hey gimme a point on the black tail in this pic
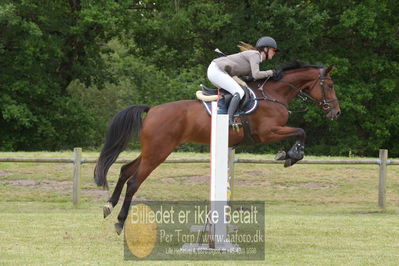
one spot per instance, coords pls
(125, 125)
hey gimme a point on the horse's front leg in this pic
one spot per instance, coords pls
(295, 154)
(297, 151)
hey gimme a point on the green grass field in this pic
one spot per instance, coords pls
(315, 214)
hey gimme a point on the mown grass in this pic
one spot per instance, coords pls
(315, 214)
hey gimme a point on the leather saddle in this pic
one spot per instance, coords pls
(225, 97)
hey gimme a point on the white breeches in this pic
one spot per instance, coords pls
(223, 80)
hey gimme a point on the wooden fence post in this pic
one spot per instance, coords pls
(382, 176)
(77, 157)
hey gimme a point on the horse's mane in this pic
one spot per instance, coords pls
(292, 65)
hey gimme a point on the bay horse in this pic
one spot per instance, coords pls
(163, 127)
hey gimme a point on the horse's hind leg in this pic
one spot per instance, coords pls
(151, 158)
(127, 171)
(162, 131)
(133, 185)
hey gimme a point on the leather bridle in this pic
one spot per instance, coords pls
(325, 103)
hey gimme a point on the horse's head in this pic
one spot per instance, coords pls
(321, 92)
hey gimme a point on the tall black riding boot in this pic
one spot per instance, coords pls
(232, 109)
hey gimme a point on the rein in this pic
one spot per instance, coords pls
(325, 103)
(270, 99)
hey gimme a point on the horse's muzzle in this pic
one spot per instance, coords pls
(334, 113)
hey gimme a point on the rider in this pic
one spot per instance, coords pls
(245, 63)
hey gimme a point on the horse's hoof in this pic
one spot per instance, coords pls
(281, 155)
(107, 209)
(296, 152)
(118, 228)
(288, 162)
(296, 155)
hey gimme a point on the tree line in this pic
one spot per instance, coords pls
(66, 67)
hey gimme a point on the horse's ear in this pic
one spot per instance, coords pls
(328, 69)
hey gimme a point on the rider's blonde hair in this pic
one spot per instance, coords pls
(245, 46)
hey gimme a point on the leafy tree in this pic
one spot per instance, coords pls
(360, 38)
(119, 53)
(43, 47)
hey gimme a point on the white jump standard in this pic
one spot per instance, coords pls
(220, 189)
